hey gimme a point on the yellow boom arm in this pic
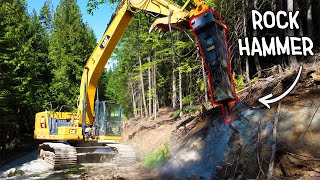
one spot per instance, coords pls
(102, 52)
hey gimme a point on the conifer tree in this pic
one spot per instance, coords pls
(23, 73)
(71, 44)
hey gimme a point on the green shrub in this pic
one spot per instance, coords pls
(186, 109)
(158, 158)
(188, 99)
(240, 81)
(254, 80)
(75, 170)
(16, 172)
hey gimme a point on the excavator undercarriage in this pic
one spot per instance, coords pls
(100, 139)
(60, 155)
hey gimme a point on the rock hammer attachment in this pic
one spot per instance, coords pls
(210, 32)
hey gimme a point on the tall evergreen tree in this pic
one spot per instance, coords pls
(71, 45)
(23, 79)
(15, 26)
(46, 15)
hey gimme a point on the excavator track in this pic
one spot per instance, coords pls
(58, 155)
(126, 155)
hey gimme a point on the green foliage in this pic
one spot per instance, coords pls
(188, 99)
(254, 80)
(76, 170)
(184, 110)
(16, 172)
(116, 90)
(158, 158)
(46, 15)
(71, 44)
(94, 4)
(39, 62)
(24, 72)
(212, 3)
(13, 144)
(239, 81)
(137, 43)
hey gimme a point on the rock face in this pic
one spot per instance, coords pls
(211, 147)
(201, 154)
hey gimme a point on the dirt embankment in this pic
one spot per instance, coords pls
(148, 135)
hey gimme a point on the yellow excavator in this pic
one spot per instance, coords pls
(83, 135)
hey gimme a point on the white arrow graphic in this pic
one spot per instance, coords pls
(266, 101)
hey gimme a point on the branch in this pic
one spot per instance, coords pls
(302, 138)
(274, 141)
(258, 141)
(302, 157)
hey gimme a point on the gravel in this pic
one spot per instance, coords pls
(28, 167)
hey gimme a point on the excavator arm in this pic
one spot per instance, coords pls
(179, 19)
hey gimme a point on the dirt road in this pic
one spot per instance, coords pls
(27, 166)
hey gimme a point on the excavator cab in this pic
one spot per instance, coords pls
(107, 120)
(113, 120)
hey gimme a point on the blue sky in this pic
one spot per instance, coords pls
(98, 21)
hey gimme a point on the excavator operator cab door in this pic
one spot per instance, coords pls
(108, 119)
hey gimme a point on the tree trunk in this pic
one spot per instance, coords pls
(180, 91)
(292, 59)
(189, 87)
(174, 88)
(204, 77)
(142, 89)
(300, 32)
(141, 108)
(244, 14)
(300, 25)
(150, 89)
(309, 20)
(256, 58)
(155, 98)
(273, 5)
(282, 4)
(134, 103)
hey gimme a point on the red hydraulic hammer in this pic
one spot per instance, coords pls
(210, 32)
